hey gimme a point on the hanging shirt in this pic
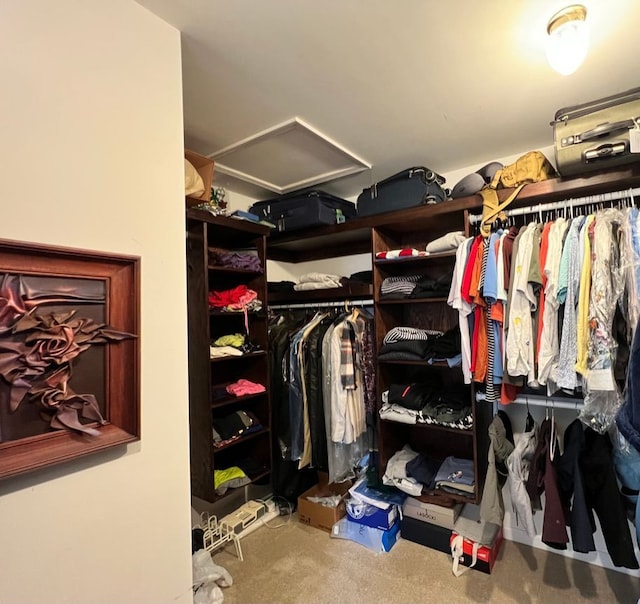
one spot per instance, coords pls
(456, 301)
(568, 342)
(520, 355)
(582, 319)
(549, 339)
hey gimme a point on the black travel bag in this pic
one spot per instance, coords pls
(597, 135)
(411, 187)
(302, 209)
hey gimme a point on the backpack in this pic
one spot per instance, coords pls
(531, 167)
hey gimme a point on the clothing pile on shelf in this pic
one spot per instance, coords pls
(578, 482)
(312, 281)
(446, 243)
(414, 286)
(322, 388)
(413, 344)
(233, 426)
(244, 260)
(411, 472)
(551, 305)
(234, 344)
(237, 475)
(238, 299)
(421, 403)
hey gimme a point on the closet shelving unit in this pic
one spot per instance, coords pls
(435, 441)
(419, 225)
(207, 374)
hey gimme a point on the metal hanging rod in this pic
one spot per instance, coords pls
(537, 400)
(337, 304)
(567, 203)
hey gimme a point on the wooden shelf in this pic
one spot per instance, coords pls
(242, 439)
(236, 271)
(417, 259)
(392, 301)
(436, 427)
(234, 400)
(238, 313)
(354, 236)
(441, 364)
(249, 355)
(364, 290)
(253, 479)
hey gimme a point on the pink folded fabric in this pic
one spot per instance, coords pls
(243, 387)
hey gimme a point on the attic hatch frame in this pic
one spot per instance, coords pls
(353, 163)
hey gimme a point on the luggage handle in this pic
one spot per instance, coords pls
(607, 128)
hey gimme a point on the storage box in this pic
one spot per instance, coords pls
(204, 167)
(427, 534)
(375, 539)
(370, 515)
(432, 513)
(316, 514)
(486, 554)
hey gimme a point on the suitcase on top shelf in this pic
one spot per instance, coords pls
(299, 210)
(597, 135)
(412, 187)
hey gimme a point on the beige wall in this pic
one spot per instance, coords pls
(90, 149)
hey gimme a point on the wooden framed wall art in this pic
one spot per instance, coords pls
(69, 354)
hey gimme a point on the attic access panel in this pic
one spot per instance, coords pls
(290, 156)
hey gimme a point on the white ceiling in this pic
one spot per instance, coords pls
(444, 84)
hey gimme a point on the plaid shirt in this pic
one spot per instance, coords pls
(347, 354)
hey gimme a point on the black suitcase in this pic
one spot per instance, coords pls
(411, 187)
(597, 135)
(299, 210)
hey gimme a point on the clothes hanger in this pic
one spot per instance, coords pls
(530, 422)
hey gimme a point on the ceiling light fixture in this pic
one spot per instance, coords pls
(568, 39)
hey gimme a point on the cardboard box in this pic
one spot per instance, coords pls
(204, 167)
(486, 555)
(316, 514)
(432, 513)
(370, 515)
(375, 539)
(427, 534)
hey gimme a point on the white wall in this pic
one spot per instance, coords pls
(91, 148)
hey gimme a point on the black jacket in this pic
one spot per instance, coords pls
(602, 495)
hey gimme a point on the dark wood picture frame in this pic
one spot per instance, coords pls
(118, 375)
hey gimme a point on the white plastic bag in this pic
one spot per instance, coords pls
(207, 577)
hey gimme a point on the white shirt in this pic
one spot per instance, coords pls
(456, 301)
(520, 344)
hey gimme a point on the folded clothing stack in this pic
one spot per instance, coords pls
(406, 252)
(312, 281)
(248, 260)
(399, 286)
(231, 427)
(456, 475)
(410, 472)
(446, 243)
(410, 344)
(244, 387)
(428, 287)
(427, 404)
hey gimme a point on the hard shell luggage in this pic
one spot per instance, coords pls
(298, 210)
(597, 135)
(412, 187)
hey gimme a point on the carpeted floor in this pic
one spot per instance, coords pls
(297, 564)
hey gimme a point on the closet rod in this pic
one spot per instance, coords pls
(321, 304)
(537, 400)
(567, 203)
